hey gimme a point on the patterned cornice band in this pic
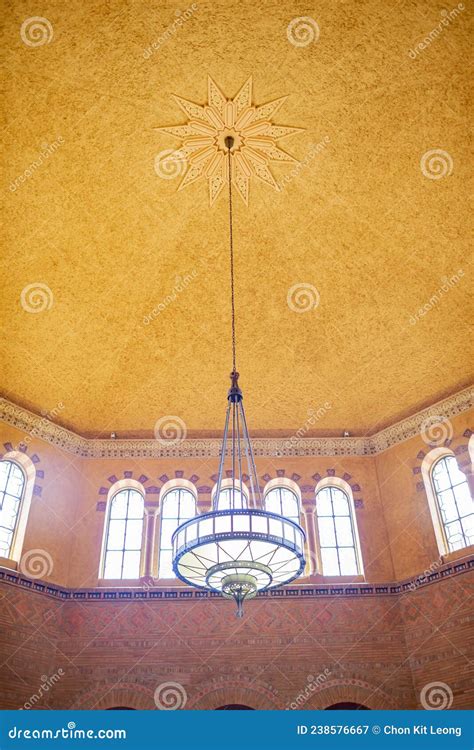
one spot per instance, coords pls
(35, 426)
(147, 592)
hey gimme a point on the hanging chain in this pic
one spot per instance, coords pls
(231, 242)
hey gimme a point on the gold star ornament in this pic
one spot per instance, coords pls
(203, 148)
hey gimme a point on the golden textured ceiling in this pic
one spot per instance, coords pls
(116, 284)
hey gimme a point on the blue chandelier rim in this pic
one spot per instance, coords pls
(238, 512)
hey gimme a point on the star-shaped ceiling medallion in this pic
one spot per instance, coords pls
(203, 148)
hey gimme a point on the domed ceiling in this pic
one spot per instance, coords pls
(352, 258)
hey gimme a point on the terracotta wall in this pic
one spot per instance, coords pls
(412, 541)
(59, 488)
(393, 518)
(86, 550)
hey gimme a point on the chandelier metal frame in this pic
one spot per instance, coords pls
(242, 549)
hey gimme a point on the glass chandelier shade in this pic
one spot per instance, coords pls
(239, 548)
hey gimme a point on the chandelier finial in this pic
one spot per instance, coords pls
(235, 394)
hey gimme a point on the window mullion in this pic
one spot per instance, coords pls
(125, 533)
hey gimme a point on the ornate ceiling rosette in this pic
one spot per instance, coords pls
(255, 136)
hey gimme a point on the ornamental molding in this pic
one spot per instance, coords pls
(34, 426)
(147, 592)
(203, 154)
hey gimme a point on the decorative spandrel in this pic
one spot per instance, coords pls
(203, 148)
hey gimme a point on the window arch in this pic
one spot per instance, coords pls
(231, 496)
(178, 505)
(283, 499)
(454, 506)
(124, 531)
(17, 475)
(338, 540)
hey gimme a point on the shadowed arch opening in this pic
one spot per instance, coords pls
(347, 706)
(235, 707)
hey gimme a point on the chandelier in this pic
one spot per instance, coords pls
(238, 549)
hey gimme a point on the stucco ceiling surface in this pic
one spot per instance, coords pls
(116, 302)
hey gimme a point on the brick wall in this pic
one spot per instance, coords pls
(379, 650)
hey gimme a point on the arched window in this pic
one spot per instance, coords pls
(178, 505)
(12, 490)
(124, 535)
(455, 505)
(283, 501)
(231, 497)
(337, 534)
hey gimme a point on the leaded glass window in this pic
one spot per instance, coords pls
(455, 504)
(123, 544)
(231, 498)
(283, 501)
(336, 533)
(12, 486)
(178, 505)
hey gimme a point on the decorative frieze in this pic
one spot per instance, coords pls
(148, 592)
(32, 424)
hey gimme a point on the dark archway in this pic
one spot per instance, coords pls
(347, 706)
(235, 707)
(120, 708)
